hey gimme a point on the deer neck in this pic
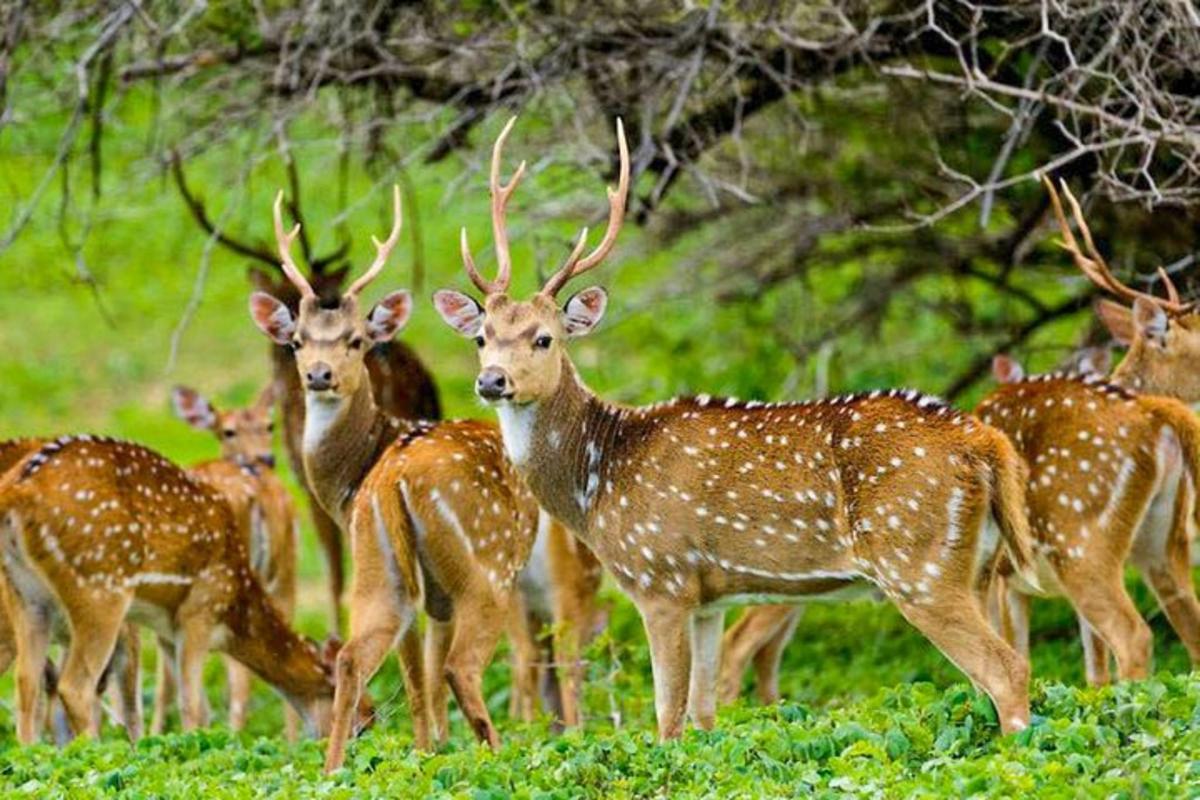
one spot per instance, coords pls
(561, 445)
(258, 636)
(1141, 372)
(342, 440)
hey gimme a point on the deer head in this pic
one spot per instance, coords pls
(522, 342)
(329, 337)
(1163, 334)
(245, 434)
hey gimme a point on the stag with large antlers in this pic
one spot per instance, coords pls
(96, 532)
(437, 517)
(700, 503)
(1114, 469)
(403, 387)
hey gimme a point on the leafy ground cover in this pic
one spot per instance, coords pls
(873, 711)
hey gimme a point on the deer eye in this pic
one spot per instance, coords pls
(295, 344)
(270, 427)
(479, 341)
(356, 343)
(542, 342)
(229, 433)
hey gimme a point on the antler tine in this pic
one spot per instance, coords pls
(1093, 264)
(382, 249)
(284, 240)
(1172, 292)
(616, 216)
(500, 193)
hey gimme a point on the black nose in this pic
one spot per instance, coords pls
(492, 384)
(319, 377)
(268, 460)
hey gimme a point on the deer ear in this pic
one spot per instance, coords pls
(1151, 320)
(1095, 360)
(193, 408)
(460, 311)
(1007, 369)
(1118, 319)
(272, 317)
(389, 315)
(583, 311)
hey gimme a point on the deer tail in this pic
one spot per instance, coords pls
(1009, 507)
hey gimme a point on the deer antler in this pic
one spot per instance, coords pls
(616, 215)
(284, 239)
(382, 249)
(500, 195)
(1093, 265)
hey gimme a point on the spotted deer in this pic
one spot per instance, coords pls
(437, 517)
(97, 532)
(245, 476)
(695, 504)
(122, 673)
(1113, 470)
(403, 386)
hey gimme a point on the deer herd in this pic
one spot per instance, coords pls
(1051, 486)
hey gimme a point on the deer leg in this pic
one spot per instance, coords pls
(95, 623)
(521, 633)
(412, 665)
(191, 650)
(375, 623)
(238, 678)
(31, 628)
(770, 656)
(743, 641)
(1095, 655)
(165, 683)
(956, 625)
(1014, 614)
(470, 651)
(707, 627)
(126, 665)
(329, 535)
(438, 636)
(1168, 572)
(670, 658)
(1099, 597)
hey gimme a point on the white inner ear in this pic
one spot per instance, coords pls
(578, 317)
(1152, 320)
(460, 312)
(281, 320)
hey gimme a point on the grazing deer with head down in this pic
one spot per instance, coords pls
(245, 475)
(1114, 471)
(436, 515)
(96, 532)
(402, 385)
(123, 664)
(695, 504)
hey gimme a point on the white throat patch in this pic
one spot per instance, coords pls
(320, 414)
(516, 428)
